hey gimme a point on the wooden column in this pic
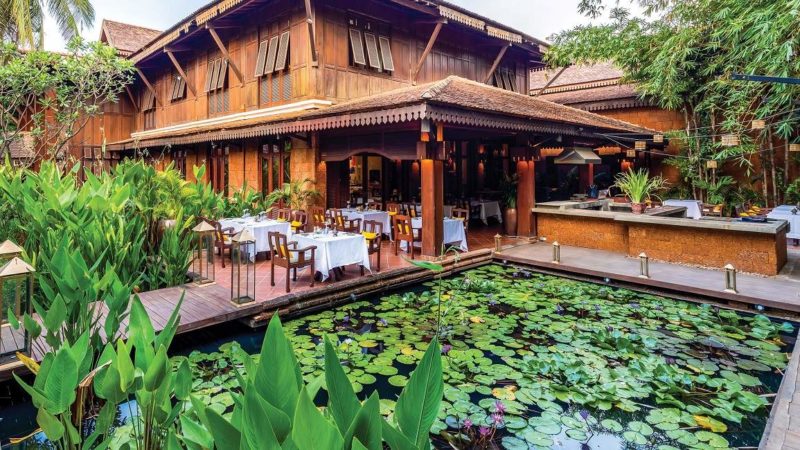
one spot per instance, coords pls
(432, 206)
(525, 197)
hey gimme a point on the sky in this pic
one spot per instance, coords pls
(538, 18)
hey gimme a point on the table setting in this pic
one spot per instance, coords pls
(260, 228)
(454, 233)
(369, 214)
(335, 249)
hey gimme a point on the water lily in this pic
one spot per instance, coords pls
(346, 319)
(484, 431)
(467, 423)
(446, 349)
(559, 309)
(382, 322)
(497, 419)
(500, 407)
(584, 414)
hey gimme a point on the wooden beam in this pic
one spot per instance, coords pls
(496, 63)
(432, 206)
(417, 7)
(428, 48)
(312, 34)
(149, 86)
(180, 71)
(225, 53)
(549, 82)
(132, 98)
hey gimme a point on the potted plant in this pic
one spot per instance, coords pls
(639, 187)
(294, 194)
(508, 190)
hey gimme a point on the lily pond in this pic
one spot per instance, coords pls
(537, 361)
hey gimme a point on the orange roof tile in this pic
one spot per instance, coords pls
(126, 38)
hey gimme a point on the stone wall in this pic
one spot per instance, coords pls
(597, 233)
(243, 167)
(305, 164)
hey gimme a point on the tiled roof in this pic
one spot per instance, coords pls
(575, 75)
(470, 95)
(23, 147)
(597, 94)
(126, 38)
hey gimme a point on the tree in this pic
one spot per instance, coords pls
(22, 21)
(681, 54)
(53, 96)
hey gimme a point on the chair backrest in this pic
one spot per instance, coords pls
(377, 206)
(373, 226)
(402, 227)
(461, 214)
(411, 210)
(338, 217)
(279, 244)
(284, 214)
(299, 216)
(318, 216)
(393, 208)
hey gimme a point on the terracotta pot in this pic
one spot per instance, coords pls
(510, 221)
(638, 208)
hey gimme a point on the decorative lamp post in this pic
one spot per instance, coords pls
(16, 294)
(556, 253)
(203, 258)
(730, 279)
(243, 271)
(9, 250)
(497, 243)
(644, 266)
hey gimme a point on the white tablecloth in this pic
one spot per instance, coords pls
(333, 252)
(454, 233)
(488, 209)
(784, 212)
(377, 216)
(694, 208)
(260, 230)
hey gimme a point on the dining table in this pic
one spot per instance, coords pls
(376, 215)
(260, 229)
(488, 208)
(694, 208)
(791, 214)
(454, 232)
(335, 250)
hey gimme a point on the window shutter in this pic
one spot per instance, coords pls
(358, 47)
(372, 51)
(181, 88)
(223, 74)
(287, 86)
(386, 53)
(512, 81)
(215, 75)
(283, 52)
(209, 75)
(174, 88)
(262, 57)
(269, 66)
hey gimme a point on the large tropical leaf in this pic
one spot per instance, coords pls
(420, 400)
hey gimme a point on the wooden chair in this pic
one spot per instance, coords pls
(712, 210)
(375, 206)
(283, 214)
(462, 215)
(342, 223)
(222, 239)
(299, 221)
(318, 217)
(393, 209)
(285, 254)
(411, 210)
(404, 232)
(373, 233)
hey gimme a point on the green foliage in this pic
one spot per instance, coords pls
(638, 186)
(22, 21)
(793, 192)
(54, 96)
(296, 194)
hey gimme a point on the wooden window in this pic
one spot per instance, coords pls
(276, 89)
(512, 81)
(269, 66)
(386, 54)
(216, 65)
(178, 88)
(150, 119)
(223, 74)
(148, 100)
(275, 166)
(372, 51)
(264, 87)
(262, 58)
(357, 48)
(287, 86)
(209, 75)
(283, 52)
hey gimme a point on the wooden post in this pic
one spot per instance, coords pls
(496, 63)
(312, 34)
(525, 197)
(180, 70)
(428, 48)
(432, 206)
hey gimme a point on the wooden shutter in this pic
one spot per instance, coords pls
(283, 52)
(386, 53)
(181, 87)
(262, 57)
(173, 93)
(372, 51)
(357, 47)
(223, 74)
(269, 66)
(512, 80)
(215, 75)
(209, 76)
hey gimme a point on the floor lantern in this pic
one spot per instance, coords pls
(16, 296)
(243, 270)
(203, 258)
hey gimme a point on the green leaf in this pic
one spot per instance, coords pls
(420, 400)
(277, 377)
(311, 430)
(342, 401)
(395, 439)
(357, 445)
(425, 265)
(366, 426)
(183, 381)
(51, 426)
(226, 436)
(12, 319)
(56, 315)
(257, 429)
(195, 432)
(157, 370)
(60, 388)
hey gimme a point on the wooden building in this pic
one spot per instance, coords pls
(383, 99)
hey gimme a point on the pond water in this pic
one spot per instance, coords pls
(536, 361)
